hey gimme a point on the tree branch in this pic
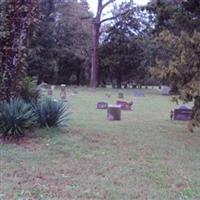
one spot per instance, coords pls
(107, 3)
(114, 17)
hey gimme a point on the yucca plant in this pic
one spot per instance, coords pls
(15, 117)
(51, 113)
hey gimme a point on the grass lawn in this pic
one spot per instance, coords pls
(145, 156)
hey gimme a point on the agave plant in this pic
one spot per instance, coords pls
(15, 117)
(51, 113)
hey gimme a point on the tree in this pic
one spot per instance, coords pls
(18, 17)
(60, 48)
(175, 15)
(177, 34)
(96, 26)
(183, 69)
(121, 52)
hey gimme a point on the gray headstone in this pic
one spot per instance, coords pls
(138, 93)
(165, 90)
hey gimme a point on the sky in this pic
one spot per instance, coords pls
(93, 3)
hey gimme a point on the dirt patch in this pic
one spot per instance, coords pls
(28, 143)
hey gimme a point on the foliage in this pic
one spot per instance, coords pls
(17, 18)
(60, 47)
(29, 90)
(51, 113)
(15, 117)
(183, 69)
(121, 51)
(177, 36)
(175, 16)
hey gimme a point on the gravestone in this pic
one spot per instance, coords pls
(114, 113)
(125, 105)
(138, 93)
(42, 92)
(134, 86)
(63, 93)
(50, 91)
(121, 95)
(165, 90)
(42, 85)
(42, 88)
(108, 95)
(182, 113)
(102, 105)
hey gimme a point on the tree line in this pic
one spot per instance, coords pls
(62, 41)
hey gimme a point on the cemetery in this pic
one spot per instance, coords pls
(99, 100)
(142, 142)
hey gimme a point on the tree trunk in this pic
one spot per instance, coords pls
(94, 58)
(78, 77)
(95, 45)
(119, 81)
(95, 40)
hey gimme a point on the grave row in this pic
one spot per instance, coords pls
(48, 90)
(180, 113)
(114, 111)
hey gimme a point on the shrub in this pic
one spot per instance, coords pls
(51, 113)
(29, 92)
(15, 117)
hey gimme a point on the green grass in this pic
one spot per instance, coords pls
(144, 156)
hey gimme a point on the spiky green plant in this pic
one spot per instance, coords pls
(51, 113)
(15, 117)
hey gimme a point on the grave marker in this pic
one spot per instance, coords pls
(102, 105)
(114, 113)
(63, 93)
(165, 90)
(125, 105)
(138, 93)
(50, 91)
(182, 113)
(121, 95)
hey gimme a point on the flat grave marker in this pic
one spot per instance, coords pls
(138, 93)
(102, 105)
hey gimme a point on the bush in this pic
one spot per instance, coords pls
(51, 113)
(29, 92)
(15, 117)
